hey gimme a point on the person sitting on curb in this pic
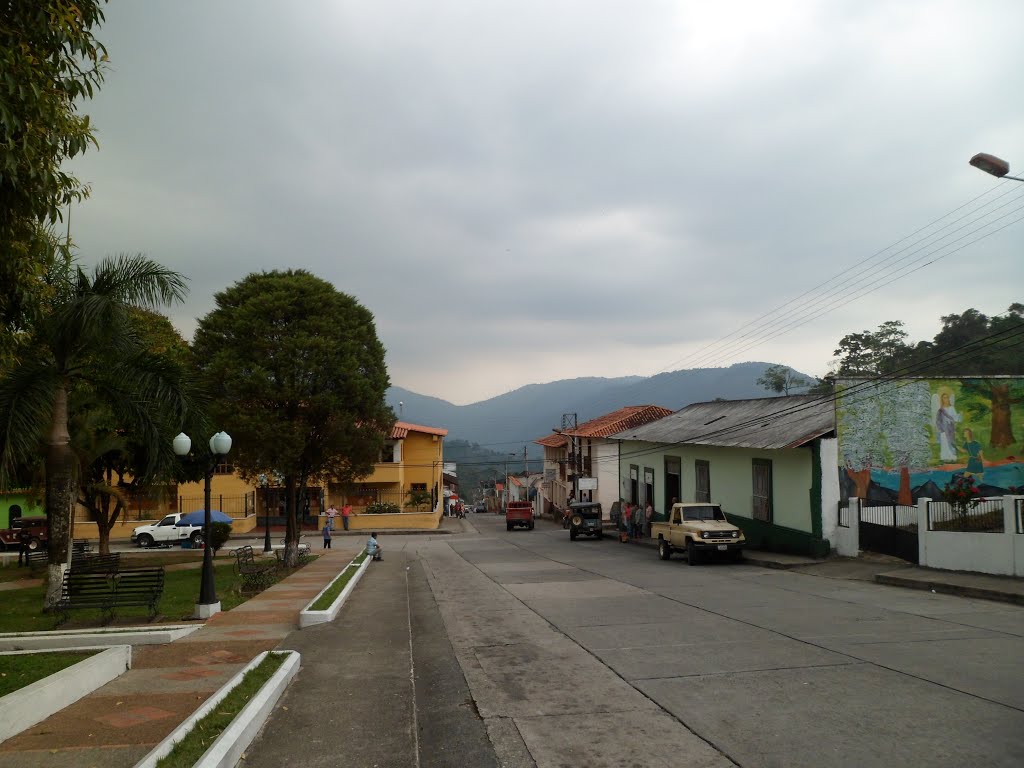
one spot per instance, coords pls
(373, 548)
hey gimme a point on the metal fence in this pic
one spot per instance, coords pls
(894, 515)
(234, 506)
(985, 517)
(365, 499)
(844, 514)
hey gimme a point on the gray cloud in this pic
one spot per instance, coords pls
(589, 188)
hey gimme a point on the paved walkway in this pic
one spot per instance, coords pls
(118, 724)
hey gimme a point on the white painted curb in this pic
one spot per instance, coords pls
(308, 618)
(92, 638)
(34, 703)
(233, 741)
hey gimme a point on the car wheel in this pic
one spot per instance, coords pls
(508, 526)
(664, 550)
(691, 552)
(197, 538)
(33, 544)
(572, 534)
(145, 540)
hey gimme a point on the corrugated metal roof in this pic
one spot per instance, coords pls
(769, 423)
(607, 425)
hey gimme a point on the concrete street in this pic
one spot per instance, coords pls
(522, 648)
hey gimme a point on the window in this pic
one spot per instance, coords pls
(224, 468)
(762, 506)
(634, 484)
(703, 478)
(419, 486)
(391, 453)
(673, 481)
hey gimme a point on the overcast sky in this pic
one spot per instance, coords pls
(529, 191)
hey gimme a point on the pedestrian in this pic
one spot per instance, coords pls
(24, 542)
(627, 520)
(638, 522)
(346, 513)
(615, 515)
(331, 514)
(327, 535)
(648, 516)
(373, 549)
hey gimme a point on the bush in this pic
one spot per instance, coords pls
(382, 508)
(219, 533)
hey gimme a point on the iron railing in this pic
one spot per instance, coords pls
(844, 514)
(893, 515)
(985, 517)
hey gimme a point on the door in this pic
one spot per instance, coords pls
(762, 496)
(702, 471)
(673, 482)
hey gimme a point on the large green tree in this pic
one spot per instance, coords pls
(296, 375)
(85, 339)
(49, 61)
(782, 378)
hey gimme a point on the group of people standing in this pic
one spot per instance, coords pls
(632, 521)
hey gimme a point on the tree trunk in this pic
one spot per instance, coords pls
(291, 537)
(60, 495)
(905, 497)
(1002, 428)
(861, 481)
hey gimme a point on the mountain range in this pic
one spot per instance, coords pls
(517, 418)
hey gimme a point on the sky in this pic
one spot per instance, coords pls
(523, 192)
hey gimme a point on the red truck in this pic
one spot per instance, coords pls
(36, 527)
(519, 513)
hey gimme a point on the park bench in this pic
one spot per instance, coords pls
(255, 574)
(96, 563)
(304, 548)
(109, 591)
(81, 545)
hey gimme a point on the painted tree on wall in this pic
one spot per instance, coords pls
(905, 415)
(859, 423)
(994, 398)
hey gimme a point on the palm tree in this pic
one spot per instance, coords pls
(85, 337)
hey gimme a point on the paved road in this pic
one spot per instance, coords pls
(595, 653)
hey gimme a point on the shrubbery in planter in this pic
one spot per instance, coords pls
(220, 533)
(382, 508)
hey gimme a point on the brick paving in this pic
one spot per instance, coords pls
(116, 725)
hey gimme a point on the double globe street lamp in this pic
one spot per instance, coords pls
(220, 444)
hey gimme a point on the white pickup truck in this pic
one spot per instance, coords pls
(166, 533)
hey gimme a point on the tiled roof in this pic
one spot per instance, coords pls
(769, 422)
(403, 428)
(625, 418)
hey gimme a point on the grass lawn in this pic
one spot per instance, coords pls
(187, 751)
(327, 598)
(23, 669)
(22, 608)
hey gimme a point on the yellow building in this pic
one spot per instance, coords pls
(404, 490)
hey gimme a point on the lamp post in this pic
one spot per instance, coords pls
(220, 444)
(266, 516)
(993, 165)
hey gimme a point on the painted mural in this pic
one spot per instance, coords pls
(907, 439)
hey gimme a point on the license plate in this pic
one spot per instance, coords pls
(723, 547)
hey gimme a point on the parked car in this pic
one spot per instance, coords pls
(698, 530)
(585, 519)
(519, 514)
(37, 528)
(166, 533)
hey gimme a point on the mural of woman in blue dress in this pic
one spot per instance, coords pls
(972, 447)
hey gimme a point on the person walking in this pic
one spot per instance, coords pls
(638, 522)
(24, 544)
(649, 516)
(327, 535)
(627, 520)
(346, 513)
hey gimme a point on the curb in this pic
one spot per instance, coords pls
(90, 638)
(308, 618)
(960, 590)
(233, 741)
(36, 702)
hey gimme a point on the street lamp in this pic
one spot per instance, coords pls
(266, 516)
(993, 165)
(220, 444)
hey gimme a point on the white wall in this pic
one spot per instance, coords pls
(829, 489)
(997, 553)
(604, 465)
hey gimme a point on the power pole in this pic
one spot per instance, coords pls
(569, 424)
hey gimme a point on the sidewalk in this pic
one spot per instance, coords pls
(890, 571)
(116, 725)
